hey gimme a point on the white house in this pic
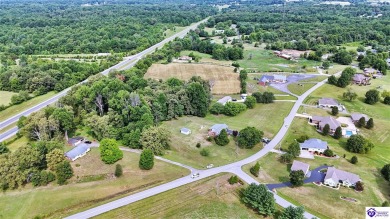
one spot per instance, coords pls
(335, 177)
(79, 151)
(314, 145)
(185, 131)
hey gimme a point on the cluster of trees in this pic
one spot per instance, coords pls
(229, 109)
(377, 61)
(59, 27)
(293, 151)
(260, 199)
(344, 80)
(39, 163)
(358, 144)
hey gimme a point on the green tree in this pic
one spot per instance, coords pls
(359, 186)
(198, 98)
(54, 157)
(349, 95)
(297, 177)
(386, 172)
(387, 100)
(338, 133)
(118, 170)
(326, 130)
(233, 109)
(354, 160)
(370, 123)
(250, 102)
(358, 144)
(255, 169)
(328, 153)
(259, 198)
(217, 109)
(385, 204)
(3, 148)
(292, 213)
(64, 172)
(249, 137)
(233, 180)
(286, 158)
(294, 149)
(372, 97)
(326, 64)
(155, 138)
(332, 80)
(109, 151)
(222, 139)
(146, 161)
(205, 152)
(335, 110)
(303, 138)
(361, 122)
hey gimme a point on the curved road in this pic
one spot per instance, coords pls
(127, 63)
(234, 168)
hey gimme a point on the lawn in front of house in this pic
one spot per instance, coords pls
(5, 97)
(55, 201)
(212, 197)
(266, 117)
(299, 88)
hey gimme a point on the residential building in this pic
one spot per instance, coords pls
(314, 145)
(224, 100)
(321, 121)
(216, 129)
(370, 71)
(335, 177)
(185, 131)
(361, 79)
(77, 152)
(265, 79)
(298, 165)
(356, 116)
(329, 103)
(75, 141)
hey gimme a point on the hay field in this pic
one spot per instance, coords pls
(224, 79)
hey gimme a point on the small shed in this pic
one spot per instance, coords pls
(185, 131)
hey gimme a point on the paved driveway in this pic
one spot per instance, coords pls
(315, 176)
(291, 79)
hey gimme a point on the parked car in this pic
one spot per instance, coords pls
(194, 175)
(210, 166)
(87, 142)
(265, 140)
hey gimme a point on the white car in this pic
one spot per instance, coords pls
(194, 175)
(210, 166)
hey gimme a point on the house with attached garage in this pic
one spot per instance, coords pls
(361, 79)
(216, 129)
(314, 145)
(335, 177)
(329, 103)
(266, 79)
(321, 121)
(356, 116)
(77, 152)
(298, 165)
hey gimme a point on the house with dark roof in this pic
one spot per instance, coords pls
(356, 116)
(77, 152)
(361, 79)
(335, 177)
(298, 165)
(314, 145)
(321, 121)
(75, 141)
(216, 129)
(224, 100)
(329, 103)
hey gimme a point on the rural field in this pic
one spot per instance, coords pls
(212, 197)
(225, 80)
(266, 117)
(93, 184)
(5, 97)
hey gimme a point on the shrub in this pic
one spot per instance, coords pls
(326, 130)
(385, 204)
(303, 138)
(233, 180)
(354, 160)
(359, 186)
(372, 97)
(328, 153)
(146, 161)
(386, 171)
(198, 145)
(255, 169)
(338, 133)
(361, 122)
(222, 139)
(118, 170)
(205, 152)
(109, 151)
(335, 110)
(387, 100)
(370, 124)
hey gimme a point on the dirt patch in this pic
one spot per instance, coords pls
(224, 80)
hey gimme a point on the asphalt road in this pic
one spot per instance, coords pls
(232, 168)
(127, 63)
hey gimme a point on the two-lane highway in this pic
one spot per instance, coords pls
(127, 63)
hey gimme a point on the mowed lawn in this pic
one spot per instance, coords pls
(225, 80)
(5, 97)
(266, 117)
(55, 201)
(212, 197)
(265, 61)
(13, 110)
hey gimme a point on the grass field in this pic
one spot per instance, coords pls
(299, 88)
(226, 81)
(267, 118)
(5, 97)
(13, 110)
(265, 61)
(200, 199)
(57, 201)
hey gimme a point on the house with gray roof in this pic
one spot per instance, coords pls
(335, 177)
(79, 151)
(216, 129)
(272, 79)
(321, 121)
(361, 79)
(356, 116)
(75, 140)
(224, 100)
(314, 145)
(329, 103)
(298, 165)
(185, 131)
